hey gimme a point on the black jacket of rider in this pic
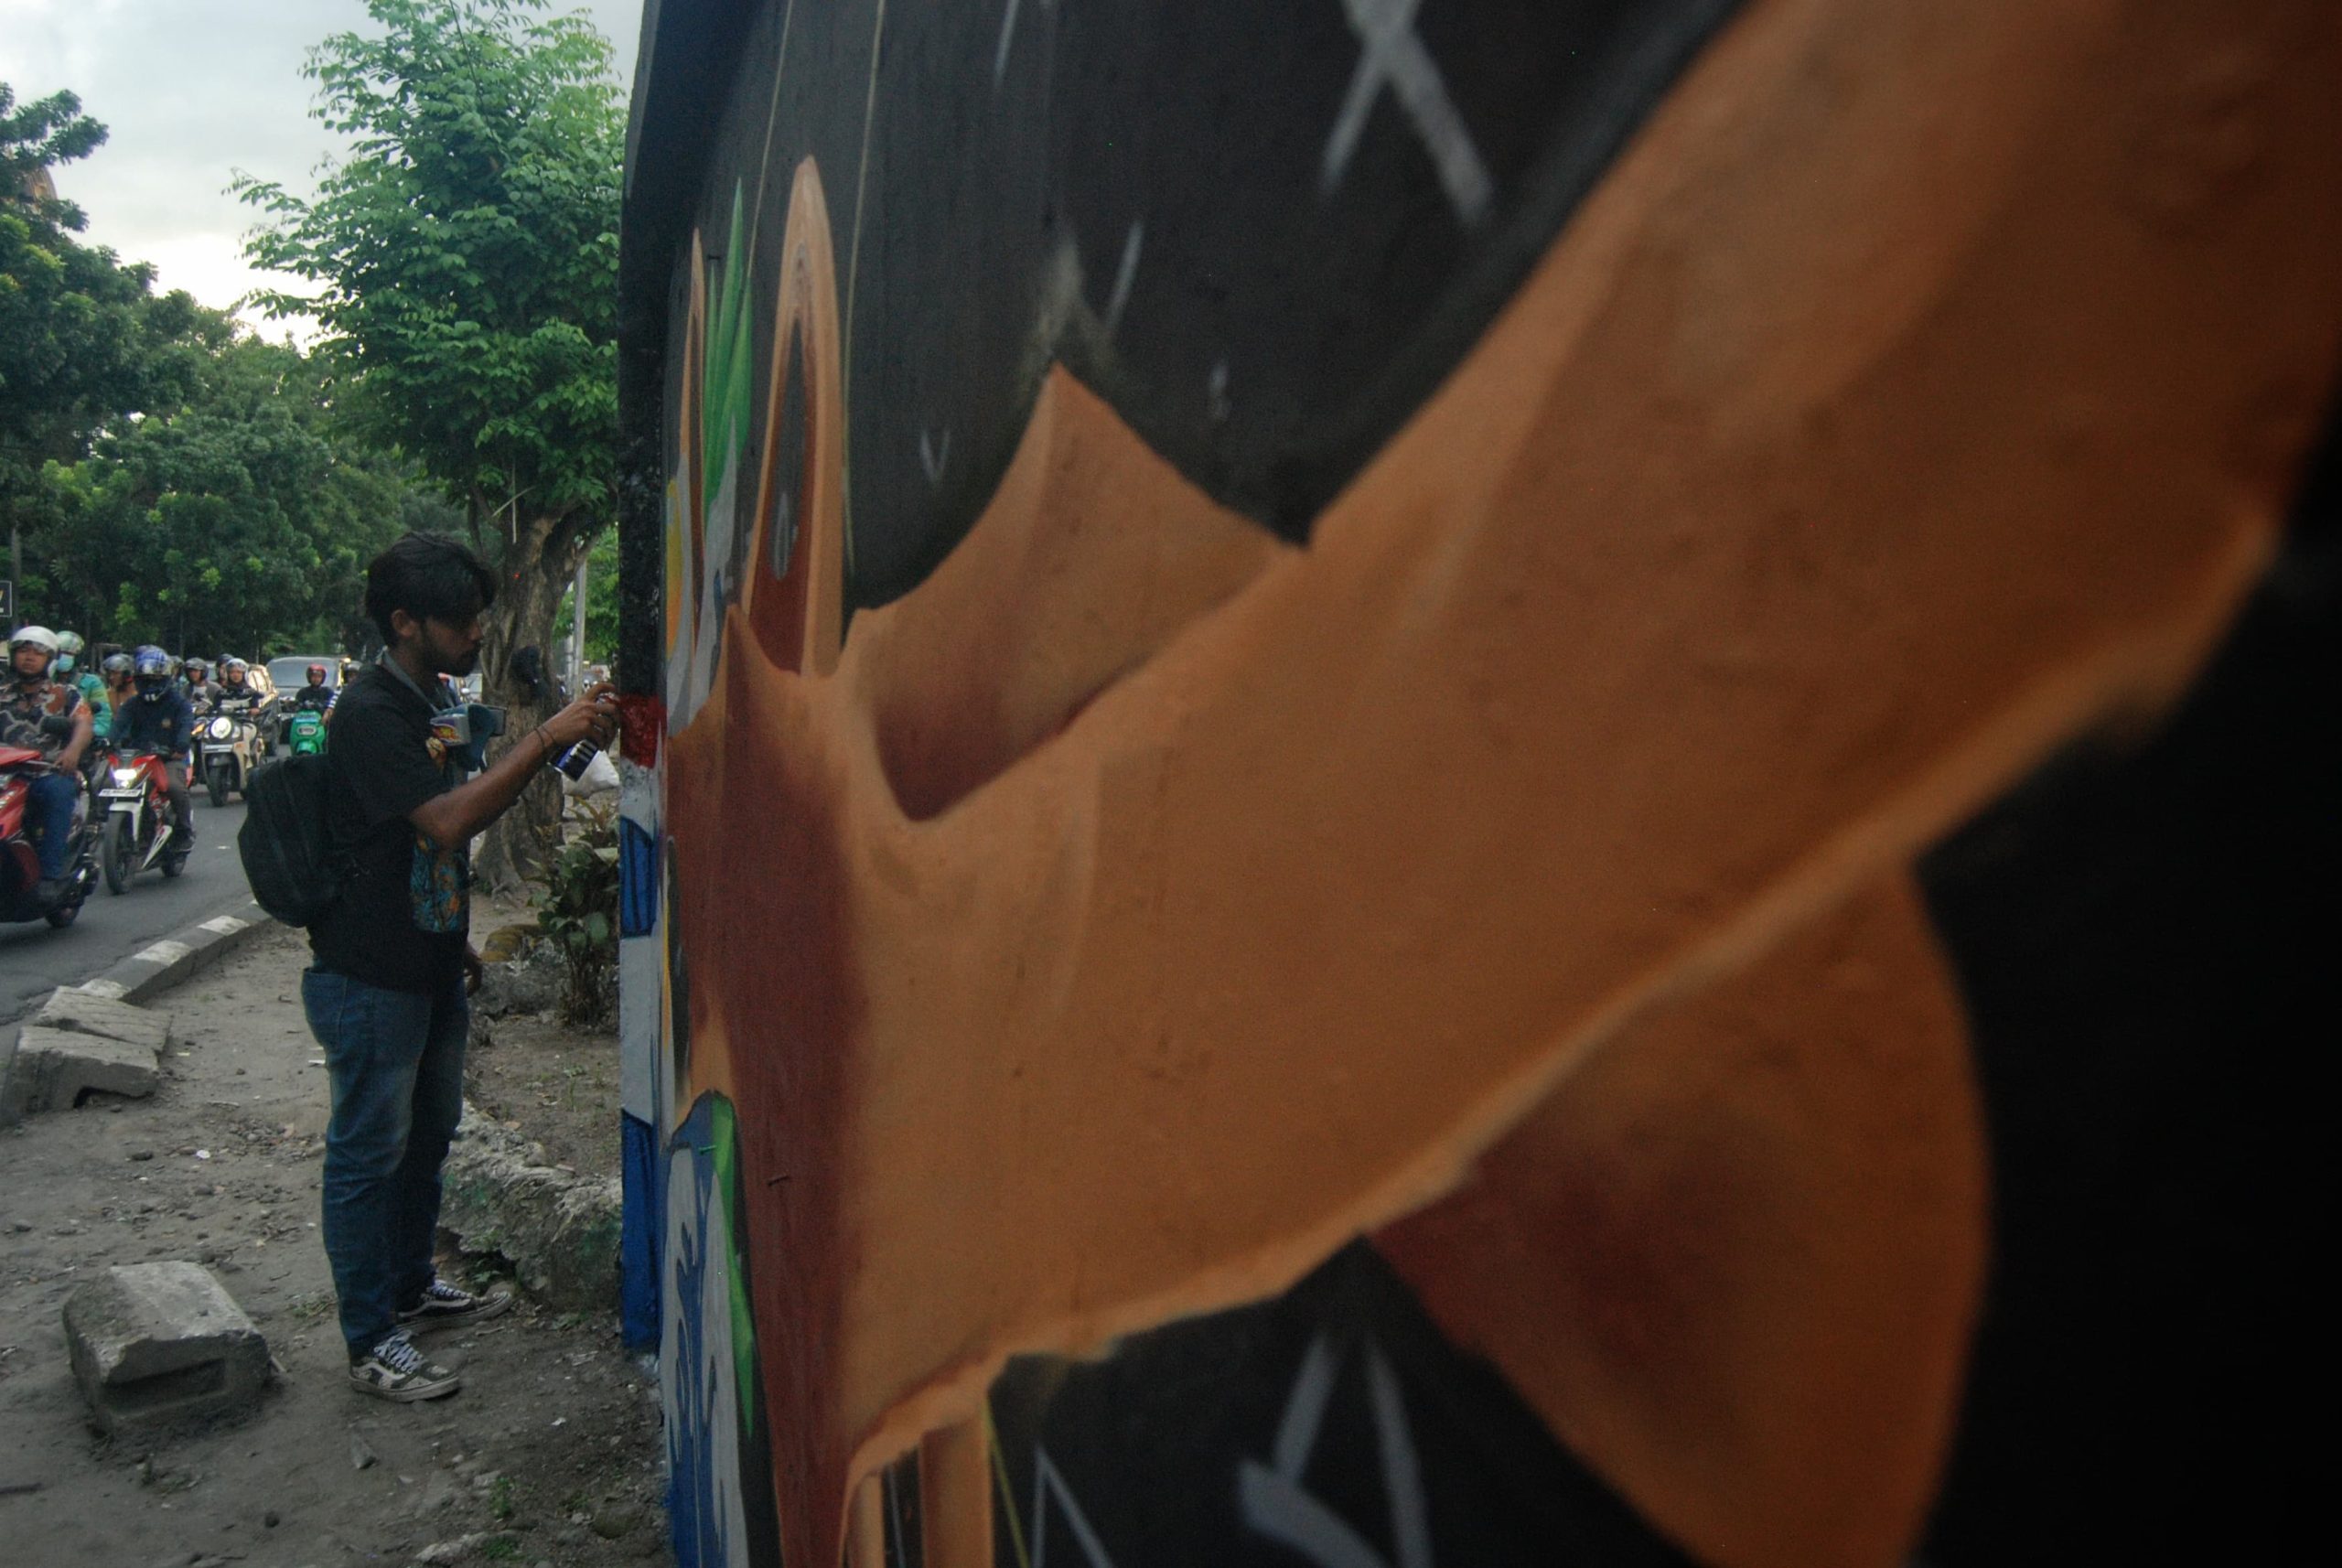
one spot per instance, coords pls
(231, 697)
(155, 721)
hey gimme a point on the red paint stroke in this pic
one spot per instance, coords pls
(642, 721)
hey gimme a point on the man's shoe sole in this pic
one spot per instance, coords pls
(407, 1396)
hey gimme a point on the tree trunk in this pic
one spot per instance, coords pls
(537, 566)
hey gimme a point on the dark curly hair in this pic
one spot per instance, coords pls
(432, 576)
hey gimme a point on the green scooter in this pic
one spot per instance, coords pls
(304, 732)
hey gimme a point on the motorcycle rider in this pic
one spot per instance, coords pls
(234, 685)
(47, 716)
(119, 688)
(236, 693)
(314, 693)
(86, 681)
(194, 684)
(159, 719)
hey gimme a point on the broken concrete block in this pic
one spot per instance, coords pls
(86, 1013)
(157, 1344)
(51, 1070)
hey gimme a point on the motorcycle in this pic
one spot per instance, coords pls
(20, 862)
(230, 746)
(139, 832)
(304, 732)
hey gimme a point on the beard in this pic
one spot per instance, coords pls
(448, 655)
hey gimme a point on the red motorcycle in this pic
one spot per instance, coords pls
(140, 831)
(20, 862)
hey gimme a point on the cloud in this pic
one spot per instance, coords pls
(191, 92)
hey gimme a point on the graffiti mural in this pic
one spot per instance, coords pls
(1448, 782)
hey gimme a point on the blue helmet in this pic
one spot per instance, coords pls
(151, 668)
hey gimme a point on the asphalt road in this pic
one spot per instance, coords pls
(35, 959)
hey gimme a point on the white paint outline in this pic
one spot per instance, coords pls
(1125, 276)
(1272, 1500)
(1391, 53)
(1048, 1477)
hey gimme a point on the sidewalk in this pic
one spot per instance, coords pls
(550, 1453)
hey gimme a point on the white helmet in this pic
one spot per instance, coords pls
(40, 637)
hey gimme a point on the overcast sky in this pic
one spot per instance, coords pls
(191, 92)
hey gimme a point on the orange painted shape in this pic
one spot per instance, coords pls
(955, 1497)
(798, 617)
(1884, 419)
(865, 1541)
(1735, 1255)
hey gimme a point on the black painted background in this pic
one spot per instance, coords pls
(2146, 942)
(1151, 1443)
(1275, 332)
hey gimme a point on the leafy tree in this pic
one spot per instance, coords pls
(238, 522)
(83, 340)
(466, 254)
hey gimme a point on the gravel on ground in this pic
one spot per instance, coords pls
(550, 1453)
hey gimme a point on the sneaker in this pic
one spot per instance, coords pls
(395, 1369)
(446, 1306)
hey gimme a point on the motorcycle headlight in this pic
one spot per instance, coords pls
(124, 777)
(222, 728)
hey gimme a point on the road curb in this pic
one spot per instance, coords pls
(180, 956)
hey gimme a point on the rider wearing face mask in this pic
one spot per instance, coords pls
(71, 669)
(39, 713)
(159, 719)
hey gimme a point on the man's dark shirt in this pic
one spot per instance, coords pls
(317, 697)
(164, 723)
(401, 920)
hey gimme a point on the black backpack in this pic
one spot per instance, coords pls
(285, 842)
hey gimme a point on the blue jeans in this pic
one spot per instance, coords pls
(396, 1061)
(49, 811)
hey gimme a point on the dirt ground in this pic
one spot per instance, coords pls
(549, 1455)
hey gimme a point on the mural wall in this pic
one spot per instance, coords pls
(1422, 781)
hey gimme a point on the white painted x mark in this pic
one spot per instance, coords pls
(1391, 52)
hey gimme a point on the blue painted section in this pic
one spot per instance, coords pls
(703, 1459)
(638, 879)
(640, 1222)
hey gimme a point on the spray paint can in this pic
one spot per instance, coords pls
(571, 760)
